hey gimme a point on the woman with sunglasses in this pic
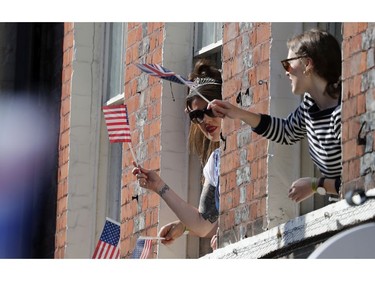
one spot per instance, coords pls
(314, 68)
(204, 139)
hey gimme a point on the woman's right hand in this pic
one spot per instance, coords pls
(223, 109)
(148, 179)
(171, 232)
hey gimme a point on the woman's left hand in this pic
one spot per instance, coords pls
(301, 189)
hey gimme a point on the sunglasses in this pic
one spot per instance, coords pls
(197, 116)
(286, 63)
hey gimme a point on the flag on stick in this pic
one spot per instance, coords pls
(142, 248)
(116, 118)
(107, 247)
(164, 73)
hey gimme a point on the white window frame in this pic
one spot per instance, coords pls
(113, 152)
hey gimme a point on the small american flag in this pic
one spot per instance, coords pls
(116, 118)
(107, 247)
(164, 73)
(142, 248)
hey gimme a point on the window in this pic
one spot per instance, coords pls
(208, 40)
(207, 44)
(113, 79)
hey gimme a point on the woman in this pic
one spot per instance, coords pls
(204, 139)
(314, 68)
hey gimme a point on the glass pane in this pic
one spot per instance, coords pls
(208, 33)
(115, 60)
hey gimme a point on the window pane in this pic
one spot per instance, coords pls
(208, 33)
(115, 60)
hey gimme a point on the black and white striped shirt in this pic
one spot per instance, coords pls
(323, 130)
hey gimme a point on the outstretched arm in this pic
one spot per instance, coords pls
(187, 214)
(225, 109)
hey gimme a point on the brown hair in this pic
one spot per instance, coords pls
(325, 51)
(198, 143)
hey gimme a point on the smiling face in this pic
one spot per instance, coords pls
(211, 125)
(298, 73)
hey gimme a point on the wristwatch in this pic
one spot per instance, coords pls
(320, 189)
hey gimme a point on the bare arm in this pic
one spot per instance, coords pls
(187, 214)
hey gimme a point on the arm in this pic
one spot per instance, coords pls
(225, 109)
(302, 188)
(187, 214)
(281, 130)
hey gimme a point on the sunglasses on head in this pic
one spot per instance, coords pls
(286, 62)
(197, 116)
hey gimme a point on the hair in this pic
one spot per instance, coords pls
(325, 51)
(198, 142)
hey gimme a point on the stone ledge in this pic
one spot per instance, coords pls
(331, 218)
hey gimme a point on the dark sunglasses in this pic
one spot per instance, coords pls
(197, 116)
(286, 63)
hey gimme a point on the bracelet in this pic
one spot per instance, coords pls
(163, 190)
(314, 186)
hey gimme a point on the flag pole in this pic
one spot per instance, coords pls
(193, 89)
(131, 150)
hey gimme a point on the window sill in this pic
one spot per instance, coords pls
(329, 219)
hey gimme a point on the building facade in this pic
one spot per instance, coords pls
(256, 220)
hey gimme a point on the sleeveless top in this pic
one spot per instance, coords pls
(209, 200)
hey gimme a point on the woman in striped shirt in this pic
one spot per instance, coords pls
(314, 68)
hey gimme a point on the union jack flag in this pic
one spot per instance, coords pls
(116, 118)
(142, 248)
(163, 73)
(107, 247)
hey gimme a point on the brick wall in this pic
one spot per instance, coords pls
(63, 148)
(358, 105)
(244, 176)
(143, 98)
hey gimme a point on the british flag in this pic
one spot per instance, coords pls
(163, 73)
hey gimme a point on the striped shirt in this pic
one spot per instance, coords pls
(323, 130)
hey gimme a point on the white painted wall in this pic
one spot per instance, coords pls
(84, 141)
(177, 56)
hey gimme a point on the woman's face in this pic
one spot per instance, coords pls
(297, 73)
(211, 125)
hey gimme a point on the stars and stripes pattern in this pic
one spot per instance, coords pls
(107, 247)
(164, 73)
(142, 248)
(117, 121)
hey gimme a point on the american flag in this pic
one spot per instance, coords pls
(142, 248)
(107, 247)
(116, 118)
(164, 73)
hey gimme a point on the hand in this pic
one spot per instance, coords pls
(222, 108)
(214, 242)
(171, 232)
(300, 189)
(147, 178)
